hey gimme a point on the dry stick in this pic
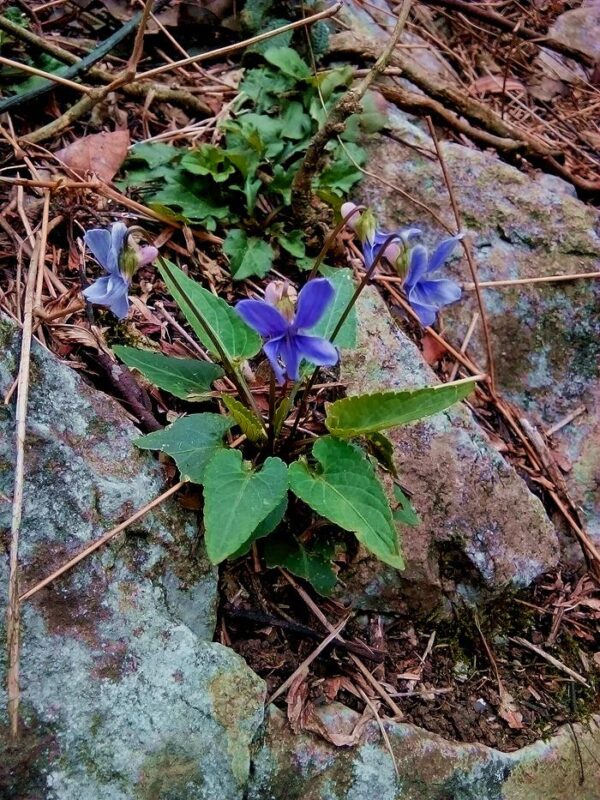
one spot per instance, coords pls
(308, 661)
(522, 31)
(160, 92)
(465, 343)
(382, 729)
(550, 659)
(525, 281)
(348, 104)
(39, 73)
(469, 254)
(99, 542)
(14, 607)
(231, 48)
(357, 662)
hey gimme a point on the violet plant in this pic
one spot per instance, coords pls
(269, 471)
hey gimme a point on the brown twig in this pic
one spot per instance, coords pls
(14, 604)
(466, 245)
(550, 659)
(91, 548)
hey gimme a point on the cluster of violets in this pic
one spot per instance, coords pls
(281, 319)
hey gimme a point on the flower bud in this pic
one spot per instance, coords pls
(283, 296)
(133, 256)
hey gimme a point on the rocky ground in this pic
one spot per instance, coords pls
(147, 673)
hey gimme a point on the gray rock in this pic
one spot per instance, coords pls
(546, 337)
(123, 695)
(578, 28)
(481, 526)
(429, 767)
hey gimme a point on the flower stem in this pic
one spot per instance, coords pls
(304, 401)
(330, 239)
(230, 368)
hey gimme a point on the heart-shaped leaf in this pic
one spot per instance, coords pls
(237, 499)
(367, 413)
(212, 319)
(186, 378)
(311, 563)
(345, 490)
(192, 441)
(267, 526)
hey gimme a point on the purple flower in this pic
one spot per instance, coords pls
(425, 295)
(287, 341)
(120, 257)
(372, 237)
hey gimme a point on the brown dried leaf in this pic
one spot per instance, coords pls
(508, 710)
(326, 728)
(433, 349)
(100, 154)
(298, 709)
(73, 334)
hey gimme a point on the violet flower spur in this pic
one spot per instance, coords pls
(426, 295)
(372, 237)
(120, 257)
(286, 330)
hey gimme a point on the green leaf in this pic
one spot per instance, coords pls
(208, 160)
(293, 243)
(367, 413)
(341, 278)
(154, 154)
(289, 62)
(197, 202)
(383, 450)
(237, 499)
(332, 80)
(345, 490)
(296, 123)
(248, 255)
(246, 420)
(191, 441)
(186, 378)
(405, 513)
(267, 526)
(236, 338)
(311, 563)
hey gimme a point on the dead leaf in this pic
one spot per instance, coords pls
(508, 710)
(100, 154)
(334, 728)
(433, 349)
(73, 334)
(297, 698)
(331, 687)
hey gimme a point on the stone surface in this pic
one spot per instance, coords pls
(546, 337)
(481, 526)
(578, 28)
(429, 767)
(122, 695)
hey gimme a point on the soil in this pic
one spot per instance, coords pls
(463, 678)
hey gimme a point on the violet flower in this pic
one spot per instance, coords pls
(426, 295)
(285, 328)
(120, 257)
(372, 237)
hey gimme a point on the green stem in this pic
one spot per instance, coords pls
(338, 327)
(230, 368)
(329, 240)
